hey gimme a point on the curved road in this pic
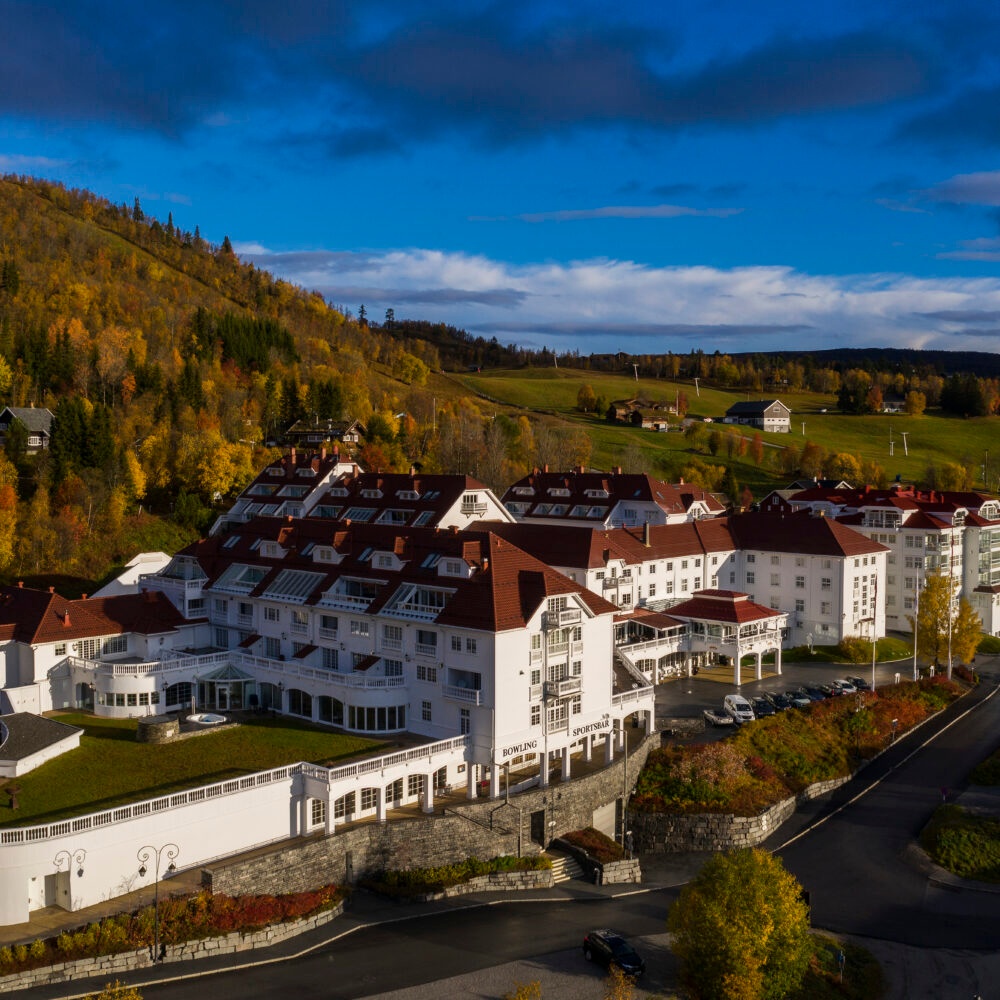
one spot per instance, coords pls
(859, 864)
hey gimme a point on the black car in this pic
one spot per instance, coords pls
(610, 948)
(778, 700)
(860, 683)
(811, 692)
(762, 707)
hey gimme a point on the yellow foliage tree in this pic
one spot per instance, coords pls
(116, 991)
(741, 929)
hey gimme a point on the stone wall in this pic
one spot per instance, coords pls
(496, 882)
(662, 833)
(110, 966)
(480, 827)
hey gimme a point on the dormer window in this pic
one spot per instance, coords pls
(372, 494)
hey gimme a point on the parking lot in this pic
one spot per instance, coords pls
(681, 701)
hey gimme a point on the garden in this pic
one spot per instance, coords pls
(110, 768)
(778, 757)
(182, 918)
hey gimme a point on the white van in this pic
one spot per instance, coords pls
(736, 706)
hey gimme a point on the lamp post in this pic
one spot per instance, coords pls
(70, 858)
(155, 854)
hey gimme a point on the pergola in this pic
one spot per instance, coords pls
(727, 623)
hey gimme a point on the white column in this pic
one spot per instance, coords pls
(777, 658)
(380, 804)
(543, 768)
(565, 764)
(303, 815)
(760, 664)
(470, 780)
(428, 796)
(494, 781)
(609, 746)
(329, 815)
(588, 747)
(736, 666)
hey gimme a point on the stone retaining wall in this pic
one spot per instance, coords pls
(495, 882)
(663, 833)
(110, 966)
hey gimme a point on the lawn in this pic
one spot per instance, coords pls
(110, 768)
(964, 843)
(932, 439)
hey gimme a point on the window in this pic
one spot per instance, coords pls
(245, 610)
(775, 579)
(800, 583)
(328, 626)
(360, 628)
(684, 586)
(800, 605)
(116, 644)
(220, 606)
(393, 668)
(652, 590)
(317, 811)
(272, 614)
(426, 673)
(464, 721)
(751, 558)
(799, 561)
(60, 649)
(470, 645)
(143, 697)
(775, 560)
(697, 583)
(684, 564)
(536, 715)
(750, 578)
(576, 705)
(826, 583)
(536, 677)
(425, 711)
(272, 648)
(331, 659)
(456, 644)
(222, 637)
(132, 700)
(392, 636)
(369, 798)
(825, 608)
(577, 668)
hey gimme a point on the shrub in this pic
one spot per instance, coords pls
(987, 772)
(419, 881)
(966, 844)
(855, 650)
(988, 645)
(598, 845)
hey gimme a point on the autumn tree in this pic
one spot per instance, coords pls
(915, 403)
(586, 399)
(741, 929)
(939, 622)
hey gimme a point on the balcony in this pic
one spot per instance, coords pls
(564, 687)
(468, 696)
(425, 649)
(328, 633)
(478, 507)
(392, 645)
(299, 628)
(569, 616)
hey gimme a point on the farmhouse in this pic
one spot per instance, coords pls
(35, 421)
(765, 415)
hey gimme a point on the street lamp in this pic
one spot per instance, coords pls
(70, 858)
(146, 854)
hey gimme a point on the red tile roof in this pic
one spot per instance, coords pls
(723, 606)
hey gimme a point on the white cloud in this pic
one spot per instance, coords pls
(981, 188)
(605, 305)
(628, 212)
(16, 163)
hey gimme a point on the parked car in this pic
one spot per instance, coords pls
(829, 690)
(761, 707)
(845, 686)
(812, 692)
(860, 683)
(713, 717)
(798, 699)
(608, 947)
(781, 702)
(738, 707)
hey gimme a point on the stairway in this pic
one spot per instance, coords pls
(564, 867)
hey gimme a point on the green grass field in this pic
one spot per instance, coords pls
(110, 768)
(931, 439)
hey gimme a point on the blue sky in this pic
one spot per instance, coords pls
(725, 175)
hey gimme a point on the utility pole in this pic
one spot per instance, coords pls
(905, 450)
(803, 428)
(635, 369)
(697, 391)
(916, 623)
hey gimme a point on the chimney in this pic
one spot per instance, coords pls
(322, 453)
(618, 470)
(52, 590)
(292, 454)
(645, 534)
(413, 471)
(545, 468)
(66, 621)
(20, 583)
(83, 597)
(486, 564)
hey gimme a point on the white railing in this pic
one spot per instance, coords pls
(425, 649)
(427, 752)
(561, 688)
(166, 664)
(394, 645)
(328, 633)
(136, 810)
(666, 644)
(469, 695)
(287, 668)
(635, 695)
(299, 628)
